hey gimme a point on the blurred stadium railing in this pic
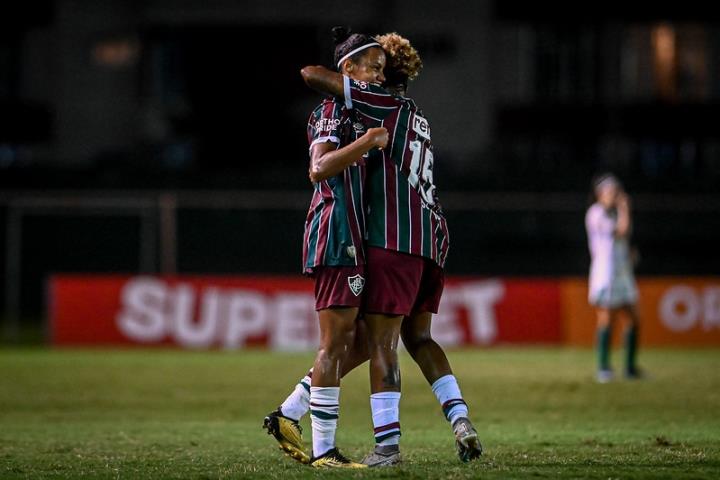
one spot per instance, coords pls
(252, 232)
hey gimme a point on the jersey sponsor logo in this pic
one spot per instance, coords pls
(356, 284)
(351, 251)
(359, 84)
(421, 126)
(327, 124)
(358, 127)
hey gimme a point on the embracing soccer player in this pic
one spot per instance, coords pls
(407, 244)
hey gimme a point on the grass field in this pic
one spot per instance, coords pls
(171, 414)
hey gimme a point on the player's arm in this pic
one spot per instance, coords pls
(326, 161)
(624, 220)
(368, 98)
(323, 80)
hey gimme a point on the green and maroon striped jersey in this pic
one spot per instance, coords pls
(335, 223)
(404, 213)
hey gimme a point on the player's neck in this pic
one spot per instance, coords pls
(397, 90)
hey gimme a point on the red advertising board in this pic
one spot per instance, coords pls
(277, 312)
(677, 311)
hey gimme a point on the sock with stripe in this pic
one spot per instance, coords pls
(385, 407)
(324, 412)
(603, 346)
(447, 391)
(298, 402)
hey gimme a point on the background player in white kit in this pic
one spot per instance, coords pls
(612, 284)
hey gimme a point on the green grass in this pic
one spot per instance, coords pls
(172, 414)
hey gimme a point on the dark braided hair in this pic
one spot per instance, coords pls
(345, 42)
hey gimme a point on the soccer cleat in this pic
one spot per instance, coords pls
(604, 375)
(466, 440)
(334, 459)
(288, 434)
(383, 456)
(635, 374)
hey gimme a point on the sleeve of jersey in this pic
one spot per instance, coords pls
(368, 98)
(325, 124)
(598, 223)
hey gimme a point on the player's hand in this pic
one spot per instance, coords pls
(622, 200)
(378, 136)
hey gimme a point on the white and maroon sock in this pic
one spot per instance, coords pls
(447, 391)
(385, 408)
(298, 402)
(324, 413)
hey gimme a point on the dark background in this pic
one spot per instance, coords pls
(124, 103)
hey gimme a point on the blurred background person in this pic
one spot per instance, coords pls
(612, 287)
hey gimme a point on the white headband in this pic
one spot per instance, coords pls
(359, 49)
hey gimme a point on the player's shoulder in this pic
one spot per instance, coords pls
(328, 102)
(374, 88)
(595, 212)
(361, 84)
(414, 106)
(328, 107)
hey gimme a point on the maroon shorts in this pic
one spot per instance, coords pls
(401, 284)
(338, 286)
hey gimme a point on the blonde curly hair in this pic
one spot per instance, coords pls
(403, 61)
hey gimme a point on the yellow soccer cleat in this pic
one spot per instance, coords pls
(334, 459)
(288, 434)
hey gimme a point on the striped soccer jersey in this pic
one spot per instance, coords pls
(403, 209)
(335, 223)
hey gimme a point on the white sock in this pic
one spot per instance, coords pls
(447, 391)
(324, 411)
(298, 402)
(385, 408)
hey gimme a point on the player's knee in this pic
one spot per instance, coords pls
(414, 341)
(339, 341)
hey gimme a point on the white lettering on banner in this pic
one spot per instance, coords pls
(445, 326)
(294, 313)
(179, 310)
(682, 307)
(247, 316)
(679, 308)
(479, 298)
(711, 308)
(209, 313)
(143, 317)
(153, 311)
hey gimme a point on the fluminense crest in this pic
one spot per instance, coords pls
(356, 284)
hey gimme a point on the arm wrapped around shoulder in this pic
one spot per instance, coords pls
(323, 80)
